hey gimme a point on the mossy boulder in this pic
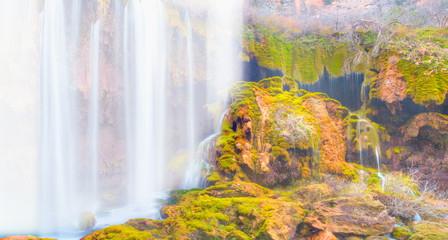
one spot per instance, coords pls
(236, 210)
(272, 136)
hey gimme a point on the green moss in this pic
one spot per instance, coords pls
(401, 233)
(423, 86)
(214, 177)
(302, 58)
(427, 230)
(374, 182)
(120, 232)
(359, 167)
(348, 172)
(335, 63)
(274, 82)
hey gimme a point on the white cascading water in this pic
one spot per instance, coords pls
(223, 68)
(196, 173)
(52, 101)
(199, 169)
(94, 108)
(57, 152)
(19, 110)
(146, 35)
(368, 134)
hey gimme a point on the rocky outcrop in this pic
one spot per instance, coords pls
(273, 137)
(361, 216)
(435, 121)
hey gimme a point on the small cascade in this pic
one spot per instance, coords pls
(368, 140)
(200, 167)
(368, 145)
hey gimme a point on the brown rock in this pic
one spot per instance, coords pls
(353, 238)
(391, 85)
(333, 134)
(264, 162)
(436, 121)
(324, 235)
(361, 216)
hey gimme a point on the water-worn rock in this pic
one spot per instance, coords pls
(87, 221)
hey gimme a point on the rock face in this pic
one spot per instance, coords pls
(361, 216)
(391, 85)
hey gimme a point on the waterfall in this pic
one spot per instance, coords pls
(346, 89)
(91, 98)
(58, 182)
(223, 68)
(191, 113)
(19, 111)
(145, 96)
(368, 138)
(198, 169)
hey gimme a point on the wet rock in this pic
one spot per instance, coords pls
(87, 221)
